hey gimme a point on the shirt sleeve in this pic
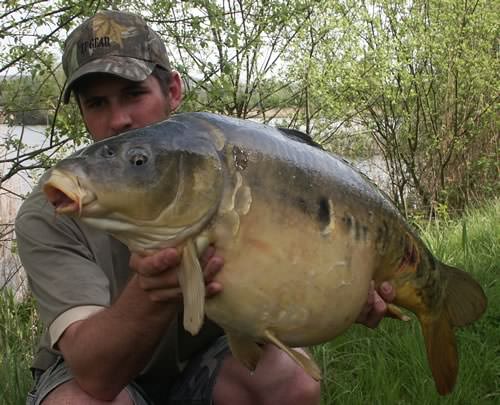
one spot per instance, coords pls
(57, 255)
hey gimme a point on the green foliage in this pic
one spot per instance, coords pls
(472, 242)
(19, 333)
(226, 51)
(422, 78)
(29, 99)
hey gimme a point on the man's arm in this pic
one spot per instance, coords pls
(107, 350)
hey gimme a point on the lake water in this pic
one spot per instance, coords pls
(11, 192)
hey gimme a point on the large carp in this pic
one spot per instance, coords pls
(301, 231)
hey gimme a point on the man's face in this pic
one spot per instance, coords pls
(111, 105)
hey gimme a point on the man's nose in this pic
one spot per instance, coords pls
(120, 119)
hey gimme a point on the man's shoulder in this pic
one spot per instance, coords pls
(36, 202)
(35, 199)
(37, 218)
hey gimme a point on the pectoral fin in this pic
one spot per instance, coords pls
(245, 350)
(301, 359)
(193, 288)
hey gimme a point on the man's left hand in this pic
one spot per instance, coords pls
(376, 305)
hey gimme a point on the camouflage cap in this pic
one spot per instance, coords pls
(113, 42)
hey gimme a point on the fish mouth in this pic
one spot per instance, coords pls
(65, 192)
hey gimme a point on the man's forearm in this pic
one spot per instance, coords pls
(106, 351)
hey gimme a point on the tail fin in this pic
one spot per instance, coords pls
(464, 302)
(465, 299)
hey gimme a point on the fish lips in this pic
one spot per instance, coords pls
(66, 193)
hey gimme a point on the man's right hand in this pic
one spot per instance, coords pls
(157, 273)
(122, 338)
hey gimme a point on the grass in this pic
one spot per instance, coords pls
(19, 331)
(382, 366)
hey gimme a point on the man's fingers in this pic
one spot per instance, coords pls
(157, 273)
(155, 263)
(375, 307)
(371, 294)
(165, 280)
(207, 254)
(375, 312)
(379, 306)
(173, 294)
(387, 291)
(213, 289)
(213, 266)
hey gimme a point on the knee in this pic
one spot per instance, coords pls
(302, 389)
(296, 386)
(277, 380)
(71, 393)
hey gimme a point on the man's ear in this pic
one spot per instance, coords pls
(175, 90)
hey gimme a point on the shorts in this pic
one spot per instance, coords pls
(194, 386)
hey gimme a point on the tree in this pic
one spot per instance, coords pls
(227, 51)
(420, 77)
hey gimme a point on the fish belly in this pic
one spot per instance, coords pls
(283, 274)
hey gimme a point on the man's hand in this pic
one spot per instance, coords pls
(376, 305)
(157, 274)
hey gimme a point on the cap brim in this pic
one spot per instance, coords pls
(133, 69)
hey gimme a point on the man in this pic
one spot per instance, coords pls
(112, 317)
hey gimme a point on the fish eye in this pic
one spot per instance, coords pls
(137, 156)
(107, 151)
(138, 159)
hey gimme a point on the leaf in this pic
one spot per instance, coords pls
(106, 27)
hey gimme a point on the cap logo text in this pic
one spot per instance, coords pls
(94, 43)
